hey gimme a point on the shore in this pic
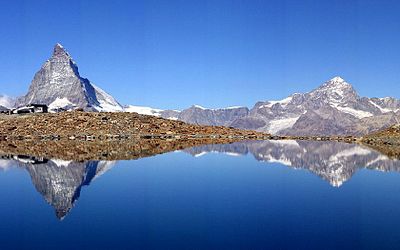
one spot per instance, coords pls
(79, 125)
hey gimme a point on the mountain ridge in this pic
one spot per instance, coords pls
(333, 108)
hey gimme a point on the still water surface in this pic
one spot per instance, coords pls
(258, 195)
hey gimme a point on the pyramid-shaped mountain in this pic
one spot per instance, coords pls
(58, 84)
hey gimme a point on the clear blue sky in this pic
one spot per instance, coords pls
(171, 54)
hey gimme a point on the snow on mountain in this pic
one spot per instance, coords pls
(283, 102)
(277, 125)
(334, 108)
(60, 103)
(61, 163)
(7, 101)
(107, 103)
(143, 110)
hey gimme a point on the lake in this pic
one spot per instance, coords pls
(243, 195)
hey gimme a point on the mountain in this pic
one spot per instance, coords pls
(6, 101)
(334, 162)
(216, 117)
(59, 85)
(334, 108)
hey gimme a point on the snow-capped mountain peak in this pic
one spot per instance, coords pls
(336, 84)
(334, 92)
(337, 79)
(333, 108)
(59, 50)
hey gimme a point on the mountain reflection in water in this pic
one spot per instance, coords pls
(334, 162)
(60, 181)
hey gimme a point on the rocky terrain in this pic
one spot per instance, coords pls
(386, 141)
(102, 125)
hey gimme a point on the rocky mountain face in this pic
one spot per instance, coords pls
(59, 85)
(334, 108)
(196, 114)
(216, 117)
(334, 162)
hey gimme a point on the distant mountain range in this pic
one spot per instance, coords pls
(334, 108)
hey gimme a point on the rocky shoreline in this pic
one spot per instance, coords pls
(97, 150)
(69, 134)
(386, 141)
(87, 126)
(79, 125)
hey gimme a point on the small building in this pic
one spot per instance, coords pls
(31, 108)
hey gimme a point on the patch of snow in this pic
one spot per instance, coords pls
(383, 110)
(144, 110)
(285, 143)
(377, 159)
(200, 154)
(107, 102)
(337, 79)
(6, 101)
(60, 103)
(203, 108)
(232, 154)
(61, 163)
(199, 107)
(282, 161)
(354, 112)
(104, 166)
(280, 124)
(357, 150)
(59, 45)
(282, 102)
(234, 107)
